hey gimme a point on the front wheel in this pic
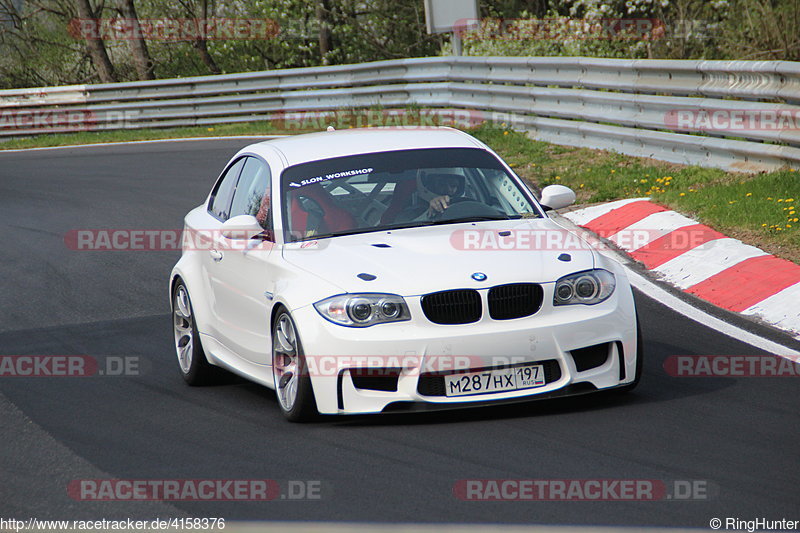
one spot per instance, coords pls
(290, 372)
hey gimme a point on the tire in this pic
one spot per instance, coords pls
(639, 360)
(290, 372)
(192, 362)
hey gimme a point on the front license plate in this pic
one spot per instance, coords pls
(521, 377)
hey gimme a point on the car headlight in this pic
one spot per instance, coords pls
(363, 310)
(588, 287)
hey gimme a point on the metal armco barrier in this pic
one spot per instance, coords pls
(646, 108)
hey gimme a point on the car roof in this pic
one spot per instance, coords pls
(303, 148)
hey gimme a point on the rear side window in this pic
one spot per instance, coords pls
(221, 198)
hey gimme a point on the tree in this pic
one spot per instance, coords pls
(141, 56)
(95, 44)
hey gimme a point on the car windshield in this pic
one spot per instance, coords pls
(401, 189)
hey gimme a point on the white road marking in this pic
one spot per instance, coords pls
(684, 308)
(650, 228)
(672, 302)
(699, 264)
(780, 309)
(582, 216)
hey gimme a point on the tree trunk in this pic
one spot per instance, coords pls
(205, 56)
(325, 40)
(141, 56)
(96, 47)
(200, 44)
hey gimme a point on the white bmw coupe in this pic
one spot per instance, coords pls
(377, 270)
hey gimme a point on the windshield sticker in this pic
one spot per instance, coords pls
(333, 176)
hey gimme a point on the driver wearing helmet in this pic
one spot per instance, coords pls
(434, 192)
(439, 189)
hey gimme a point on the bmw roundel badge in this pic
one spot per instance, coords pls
(479, 276)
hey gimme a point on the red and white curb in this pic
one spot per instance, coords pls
(699, 260)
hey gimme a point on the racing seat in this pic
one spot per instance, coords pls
(401, 198)
(314, 209)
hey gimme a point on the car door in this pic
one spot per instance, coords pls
(204, 226)
(241, 280)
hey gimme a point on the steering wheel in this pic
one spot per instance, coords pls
(464, 207)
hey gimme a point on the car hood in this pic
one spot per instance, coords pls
(416, 261)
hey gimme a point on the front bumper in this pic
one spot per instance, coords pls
(415, 354)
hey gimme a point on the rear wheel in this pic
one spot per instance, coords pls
(194, 367)
(290, 372)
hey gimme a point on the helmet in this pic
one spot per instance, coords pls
(433, 184)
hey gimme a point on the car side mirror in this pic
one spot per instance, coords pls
(557, 197)
(241, 227)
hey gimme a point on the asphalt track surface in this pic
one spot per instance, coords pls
(739, 436)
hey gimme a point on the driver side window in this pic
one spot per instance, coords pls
(220, 203)
(252, 195)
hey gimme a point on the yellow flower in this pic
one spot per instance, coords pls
(581, 186)
(769, 197)
(788, 225)
(778, 228)
(749, 194)
(763, 225)
(640, 181)
(505, 133)
(795, 219)
(682, 194)
(209, 129)
(558, 177)
(612, 170)
(780, 199)
(732, 202)
(790, 199)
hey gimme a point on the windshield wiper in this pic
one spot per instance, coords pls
(342, 233)
(476, 218)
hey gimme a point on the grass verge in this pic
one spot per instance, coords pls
(759, 209)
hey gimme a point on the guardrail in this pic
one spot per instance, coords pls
(631, 106)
